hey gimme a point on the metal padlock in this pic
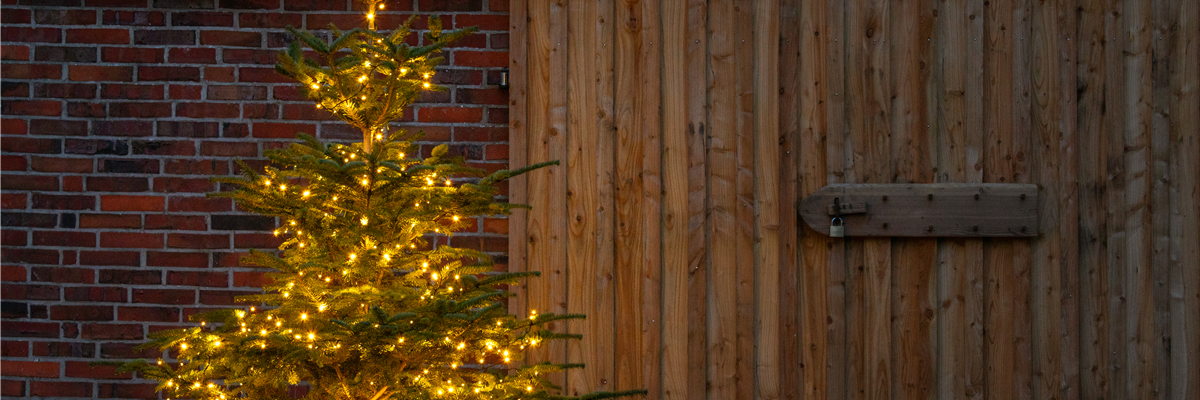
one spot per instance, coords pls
(837, 228)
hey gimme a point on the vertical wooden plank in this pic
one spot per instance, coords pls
(698, 206)
(675, 202)
(743, 78)
(1185, 205)
(1162, 45)
(722, 159)
(1114, 106)
(555, 275)
(518, 132)
(541, 244)
(1069, 200)
(766, 200)
(1093, 252)
(630, 231)
(867, 106)
(815, 41)
(790, 356)
(1139, 349)
(1046, 138)
(913, 283)
(973, 139)
(1021, 276)
(953, 326)
(650, 127)
(606, 253)
(585, 283)
(998, 254)
(836, 162)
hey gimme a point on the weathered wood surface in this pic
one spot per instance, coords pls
(691, 131)
(927, 210)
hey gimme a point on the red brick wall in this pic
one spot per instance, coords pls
(116, 113)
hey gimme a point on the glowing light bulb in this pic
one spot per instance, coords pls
(278, 324)
(352, 255)
(378, 137)
(371, 16)
(364, 97)
(381, 6)
(305, 194)
(434, 278)
(366, 182)
(312, 336)
(183, 346)
(456, 218)
(282, 187)
(447, 182)
(367, 63)
(315, 86)
(387, 257)
(403, 71)
(217, 344)
(426, 85)
(262, 332)
(362, 78)
(304, 316)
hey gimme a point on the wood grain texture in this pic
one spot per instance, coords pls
(1184, 278)
(675, 202)
(586, 285)
(767, 151)
(629, 157)
(815, 39)
(722, 203)
(1096, 103)
(518, 130)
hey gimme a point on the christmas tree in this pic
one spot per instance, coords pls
(364, 302)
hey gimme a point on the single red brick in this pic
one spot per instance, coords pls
(196, 278)
(131, 54)
(12, 273)
(197, 167)
(123, 258)
(251, 279)
(50, 108)
(249, 74)
(480, 134)
(131, 203)
(131, 92)
(14, 329)
(183, 185)
(164, 147)
(12, 388)
(120, 128)
(168, 73)
(128, 390)
(130, 240)
(222, 74)
(33, 369)
(257, 241)
(185, 92)
(17, 16)
(95, 294)
(306, 112)
(127, 221)
(260, 111)
(231, 92)
(158, 37)
(269, 20)
(30, 256)
(93, 73)
(60, 389)
(64, 17)
(31, 182)
(198, 204)
(139, 110)
(288, 93)
(227, 149)
(129, 165)
(176, 222)
(117, 184)
(192, 55)
(492, 59)
(65, 90)
(164, 296)
(13, 126)
(451, 114)
(14, 238)
(31, 71)
(130, 17)
(281, 130)
(13, 200)
(197, 241)
(106, 36)
(322, 20)
(231, 38)
(14, 52)
(207, 110)
(84, 369)
(249, 56)
(54, 164)
(14, 348)
(72, 183)
(64, 239)
(201, 18)
(482, 96)
(25, 34)
(13, 163)
(85, 109)
(64, 202)
(81, 313)
(148, 314)
(177, 259)
(485, 22)
(499, 41)
(250, 4)
(15, 90)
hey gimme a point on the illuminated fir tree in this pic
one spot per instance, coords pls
(363, 304)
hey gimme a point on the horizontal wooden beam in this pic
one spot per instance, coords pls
(925, 210)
